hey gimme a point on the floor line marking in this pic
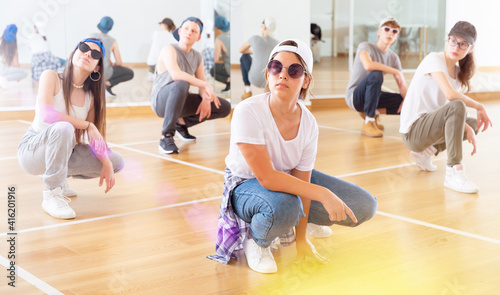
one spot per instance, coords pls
(393, 216)
(166, 158)
(114, 215)
(382, 169)
(156, 140)
(355, 131)
(24, 122)
(439, 227)
(8, 158)
(30, 278)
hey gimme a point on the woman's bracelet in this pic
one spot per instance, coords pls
(87, 129)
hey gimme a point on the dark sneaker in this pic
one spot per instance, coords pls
(228, 87)
(109, 92)
(182, 132)
(167, 145)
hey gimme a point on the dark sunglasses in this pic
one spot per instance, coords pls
(387, 29)
(83, 47)
(295, 71)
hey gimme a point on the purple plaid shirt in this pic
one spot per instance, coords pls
(232, 230)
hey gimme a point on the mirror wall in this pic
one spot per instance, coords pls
(65, 22)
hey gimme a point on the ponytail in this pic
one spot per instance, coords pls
(467, 68)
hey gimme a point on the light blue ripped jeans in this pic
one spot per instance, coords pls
(271, 214)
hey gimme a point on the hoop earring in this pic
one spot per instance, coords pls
(94, 79)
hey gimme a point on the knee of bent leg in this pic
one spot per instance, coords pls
(182, 86)
(376, 77)
(458, 108)
(62, 130)
(117, 160)
(366, 206)
(288, 210)
(282, 212)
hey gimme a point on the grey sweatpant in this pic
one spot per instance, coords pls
(54, 154)
(174, 101)
(443, 129)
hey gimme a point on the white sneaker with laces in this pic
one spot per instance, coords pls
(455, 179)
(318, 231)
(259, 259)
(424, 159)
(56, 204)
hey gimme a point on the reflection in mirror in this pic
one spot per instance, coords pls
(221, 71)
(61, 24)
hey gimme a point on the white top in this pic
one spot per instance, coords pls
(160, 39)
(59, 105)
(424, 95)
(38, 44)
(253, 123)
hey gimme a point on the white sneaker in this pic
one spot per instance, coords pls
(455, 179)
(259, 259)
(424, 159)
(56, 204)
(318, 231)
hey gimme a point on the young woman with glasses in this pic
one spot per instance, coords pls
(270, 184)
(67, 136)
(434, 116)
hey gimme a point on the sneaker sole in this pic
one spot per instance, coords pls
(161, 150)
(462, 191)
(371, 135)
(183, 138)
(60, 216)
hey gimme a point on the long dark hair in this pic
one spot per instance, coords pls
(8, 51)
(467, 69)
(96, 89)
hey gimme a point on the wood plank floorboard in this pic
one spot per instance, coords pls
(150, 234)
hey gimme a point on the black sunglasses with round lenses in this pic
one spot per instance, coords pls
(295, 71)
(96, 54)
(388, 29)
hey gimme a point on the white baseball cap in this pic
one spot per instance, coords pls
(388, 19)
(302, 49)
(270, 24)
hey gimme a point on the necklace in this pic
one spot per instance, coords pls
(77, 86)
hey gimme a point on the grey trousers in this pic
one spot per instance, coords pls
(174, 101)
(443, 129)
(54, 154)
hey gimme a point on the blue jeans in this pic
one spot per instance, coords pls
(271, 214)
(368, 96)
(246, 64)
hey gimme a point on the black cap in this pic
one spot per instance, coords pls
(464, 30)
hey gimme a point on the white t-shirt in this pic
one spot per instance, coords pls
(38, 44)
(160, 39)
(253, 123)
(424, 95)
(60, 105)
